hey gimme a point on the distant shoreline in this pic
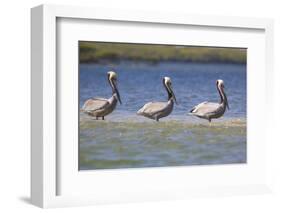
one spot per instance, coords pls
(106, 62)
(101, 52)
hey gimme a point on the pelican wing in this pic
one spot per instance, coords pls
(206, 108)
(94, 104)
(152, 108)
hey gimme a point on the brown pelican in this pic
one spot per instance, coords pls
(209, 110)
(157, 110)
(100, 107)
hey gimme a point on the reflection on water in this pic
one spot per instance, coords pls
(125, 140)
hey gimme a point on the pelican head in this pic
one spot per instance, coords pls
(168, 85)
(220, 83)
(112, 78)
(220, 86)
(112, 75)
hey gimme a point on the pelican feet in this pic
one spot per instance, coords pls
(97, 118)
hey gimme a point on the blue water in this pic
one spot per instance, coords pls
(125, 140)
(142, 82)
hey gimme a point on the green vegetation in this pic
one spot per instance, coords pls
(100, 51)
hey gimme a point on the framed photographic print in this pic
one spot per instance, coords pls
(130, 106)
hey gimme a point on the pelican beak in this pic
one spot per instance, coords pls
(226, 101)
(174, 97)
(227, 104)
(118, 96)
(172, 93)
(116, 90)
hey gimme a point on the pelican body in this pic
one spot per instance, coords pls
(100, 107)
(209, 110)
(157, 110)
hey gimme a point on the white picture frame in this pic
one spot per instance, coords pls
(45, 178)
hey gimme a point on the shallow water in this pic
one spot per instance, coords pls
(125, 140)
